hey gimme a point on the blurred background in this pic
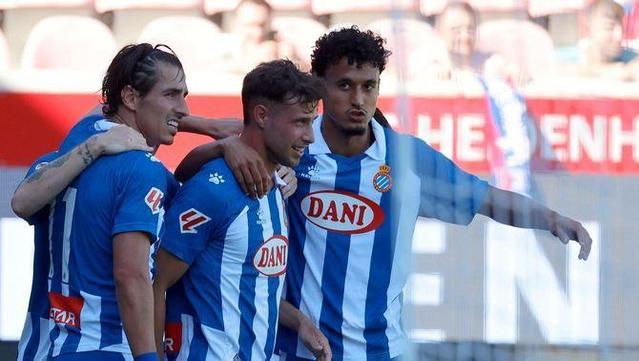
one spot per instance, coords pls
(536, 96)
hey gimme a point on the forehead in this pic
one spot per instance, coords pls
(170, 77)
(456, 16)
(354, 72)
(296, 110)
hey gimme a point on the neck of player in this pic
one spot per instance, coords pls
(255, 139)
(343, 142)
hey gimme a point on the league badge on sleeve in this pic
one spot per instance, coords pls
(382, 180)
(191, 219)
(153, 199)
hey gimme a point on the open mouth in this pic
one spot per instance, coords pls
(298, 149)
(173, 123)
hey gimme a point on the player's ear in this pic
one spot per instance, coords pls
(129, 97)
(260, 115)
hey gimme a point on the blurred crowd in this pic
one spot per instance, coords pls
(444, 41)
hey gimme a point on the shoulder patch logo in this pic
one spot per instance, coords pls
(382, 180)
(153, 199)
(216, 178)
(191, 219)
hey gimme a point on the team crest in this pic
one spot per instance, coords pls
(382, 180)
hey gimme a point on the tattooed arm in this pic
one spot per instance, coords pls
(43, 185)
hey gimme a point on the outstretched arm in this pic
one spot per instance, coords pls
(43, 185)
(520, 211)
(215, 128)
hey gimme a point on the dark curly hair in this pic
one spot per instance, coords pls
(359, 47)
(136, 65)
(279, 81)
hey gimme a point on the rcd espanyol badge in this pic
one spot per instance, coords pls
(382, 180)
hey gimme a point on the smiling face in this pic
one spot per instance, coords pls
(157, 114)
(351, 98)
(288, 131)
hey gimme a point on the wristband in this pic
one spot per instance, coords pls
(149, 356)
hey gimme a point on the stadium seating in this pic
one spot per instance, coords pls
(4, 52)
(110, 5)
(197, 41)
(69, 42)
(217, 6)
(520, 42)
(301, 32)
(15, 4)
(323, 7)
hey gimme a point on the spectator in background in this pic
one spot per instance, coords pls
(602, 53)
(257, 40)
(457, 26)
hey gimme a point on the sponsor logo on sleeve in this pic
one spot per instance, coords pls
(191, 219)
(270, 258)
(342, 212)
(65, 309)
(153, 199)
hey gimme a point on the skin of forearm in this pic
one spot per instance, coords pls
(38, 190)
(196, 158)
(159, 301)
(135, 294)
(518, 211)
(290, 316)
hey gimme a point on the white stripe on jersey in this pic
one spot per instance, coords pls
(91, 331)
(51, 215)
(233, 271)
(25, 337)
(358, 270)
(218, 344)
(69, 207)
(260, 321)
(312, 290)
(187, 337)
(401, 264)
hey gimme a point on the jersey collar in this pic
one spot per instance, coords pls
(377, 150)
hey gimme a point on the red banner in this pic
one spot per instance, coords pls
(597, 135)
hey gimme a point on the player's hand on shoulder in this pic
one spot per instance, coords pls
(119, 139)
(567, 229)
(288, 176)
(315, 341)
(247, 166)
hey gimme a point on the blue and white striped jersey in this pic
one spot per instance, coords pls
(119, 193)
(351, 226)
(227, 304)
(34, 341)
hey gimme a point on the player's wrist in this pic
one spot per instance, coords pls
(96, 145)
(149, 356)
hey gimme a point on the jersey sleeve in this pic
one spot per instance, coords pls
(41, 214)
(447, 192)
(141, 189)
(195, 216)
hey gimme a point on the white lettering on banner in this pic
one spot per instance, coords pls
(516, 265)
(471, 138)
(442, 137)
(554, 129)
(620, 138)
(592, 140)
